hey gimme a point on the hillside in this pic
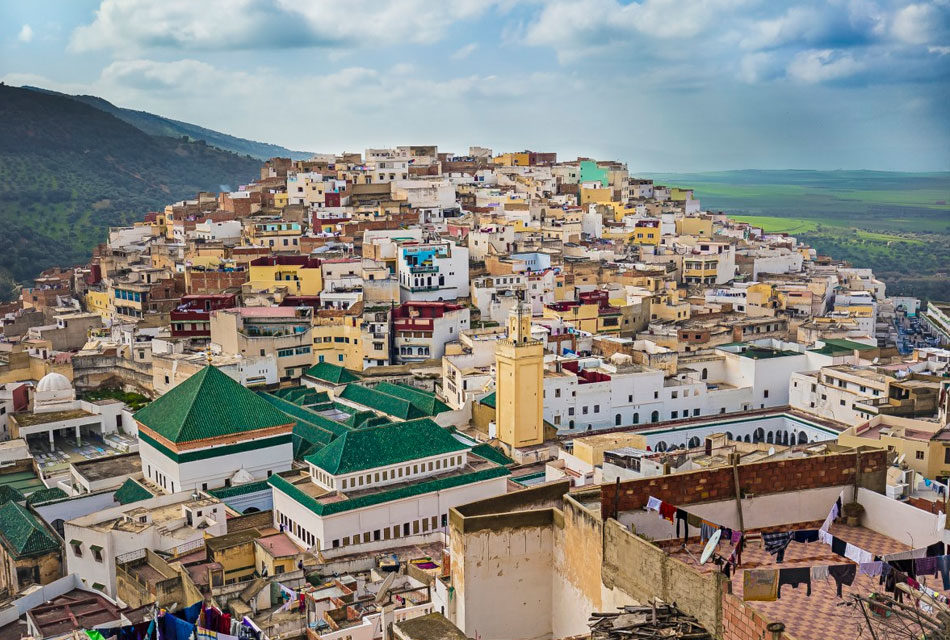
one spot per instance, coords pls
(160, 126)
(896, 223)
(68, 171)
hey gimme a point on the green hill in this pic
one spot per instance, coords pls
(69, 171)
(160, 126)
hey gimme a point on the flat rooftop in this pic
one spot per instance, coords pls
(127, 464)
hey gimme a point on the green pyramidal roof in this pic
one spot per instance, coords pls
(207, 405)
(131, 491)
(332, 373)
(22, 534)
(385, 445)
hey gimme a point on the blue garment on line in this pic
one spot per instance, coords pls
(174, 628)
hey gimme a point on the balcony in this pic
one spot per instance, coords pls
(423, 268)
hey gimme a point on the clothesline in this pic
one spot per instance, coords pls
(706, 528)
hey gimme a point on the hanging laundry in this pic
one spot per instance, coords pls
(776, 542)
(736, 536)
(793, 578)
(935, 549)
(667, 511)
(760, 585)
(190, 614)
(706, 529)
(94, 634)
(825, 537)
(206, 634)
(653, 504)
(859, 555)
(842, 574)
(819, 573)
(941, 523)
(693, 520)
(838, 546)
(805, 535)
(681, 517)
(224, 626)
(925, 566)
(175, 628)
(943, 565)
(872, 569)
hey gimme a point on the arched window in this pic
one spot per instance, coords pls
(729, 435)
(660, 446)
(704, 374)
(617, 419)
(655, 416)
(785, 437)
(636, 418)
(768, 437)
(758, 435)
(693, 442)
(747, 438)
(802, 437)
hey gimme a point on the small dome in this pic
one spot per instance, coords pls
(54, 382)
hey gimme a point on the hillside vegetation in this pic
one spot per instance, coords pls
(68, 171)
(156, 125)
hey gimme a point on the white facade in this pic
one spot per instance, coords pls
(227, 230)
(432, 272)
(212, 472)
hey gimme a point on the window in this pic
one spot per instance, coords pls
(557, 393)
(584, 411)
(946, 455)
(765, 394)
(919, 455)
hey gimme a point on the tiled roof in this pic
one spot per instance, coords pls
(331, 373)
(131, 491)
(46, 495)
(206, 405)
(489, 452)
(239, 489)
(489, 400)
(9, 494)
(388, 404)
(386, 445)
(22, 534)
(380, 497)
(425, 401)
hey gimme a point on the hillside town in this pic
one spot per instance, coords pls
(413, 394)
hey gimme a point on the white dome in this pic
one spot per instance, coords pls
(54, 382)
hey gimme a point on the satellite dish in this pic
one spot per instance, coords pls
(710, 548)
(771, 451)
(900, 459)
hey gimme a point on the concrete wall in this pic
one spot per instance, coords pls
(643, 571)
(898, 520)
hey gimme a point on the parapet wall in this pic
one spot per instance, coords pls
(759, 478)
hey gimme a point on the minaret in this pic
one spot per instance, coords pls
(519, 372)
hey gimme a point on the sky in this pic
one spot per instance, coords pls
(664, 85)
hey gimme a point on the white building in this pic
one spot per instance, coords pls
(225, 231)
(432, 271)
(208, 432)
(379, 485)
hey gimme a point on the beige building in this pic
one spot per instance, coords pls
(283, 333)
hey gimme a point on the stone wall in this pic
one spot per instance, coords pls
(643, 571)
(756, 479)
(742, 622)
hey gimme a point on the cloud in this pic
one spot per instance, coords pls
(915, 23)
(463, 52)
(814, 66)
(26, 34)
(135, 25)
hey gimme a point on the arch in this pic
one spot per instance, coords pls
(769, 437)
(729, 435)
(660, 446)
(704, 374)
(693, 442)
(250, 510)
(617, 419)
(747, 438)
(655, 416)
(636, 418)
(758, 435)
(785, 437)
(802, 437)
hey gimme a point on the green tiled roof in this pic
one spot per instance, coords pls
(22, 534)
(46, 495)
(850, 345)
(131, 491)
(207, 405)
(239, 489)
(425, 401)
(489, 400)
(380, 497)
(386, 445)
(9, 494)
(332, 373)
(398, 407)
(489, 452)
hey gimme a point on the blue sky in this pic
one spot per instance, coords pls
(665, 85)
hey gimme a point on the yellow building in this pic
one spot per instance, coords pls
(513, 159)
(593, 196)
(592, 313)
(336, 339)
(519, 371)
(97, 301)
(234, 553)
(647, 233)
(281, 199)
(668, 308)
(694, 226)
(920, 442)
(298, 275)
